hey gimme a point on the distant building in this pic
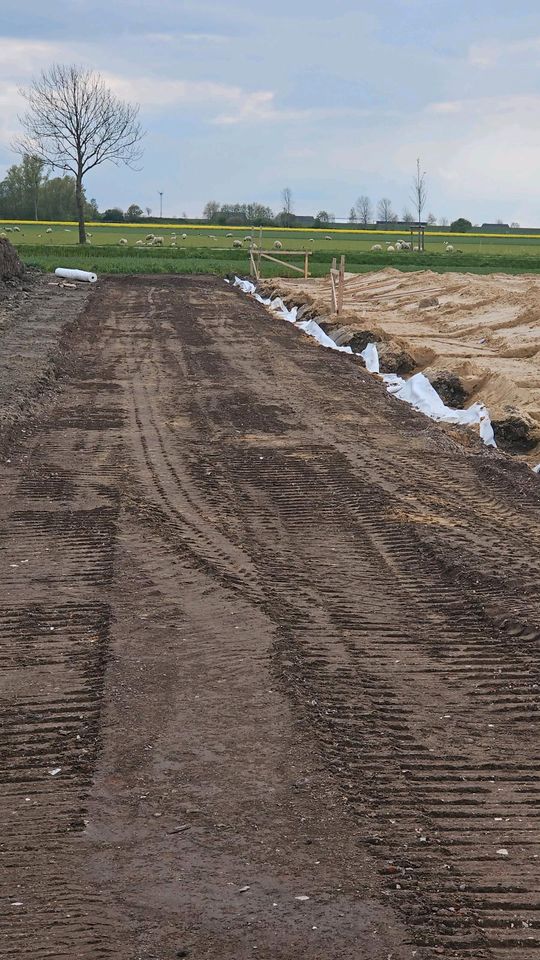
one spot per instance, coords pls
(495, 227)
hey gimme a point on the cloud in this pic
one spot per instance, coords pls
(20, 58)
(489, 53)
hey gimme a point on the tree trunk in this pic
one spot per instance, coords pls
(79, 201)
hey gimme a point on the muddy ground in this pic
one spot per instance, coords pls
(269, 647)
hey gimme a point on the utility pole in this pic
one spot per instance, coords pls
(161, 204)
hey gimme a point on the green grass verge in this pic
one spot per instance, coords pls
(134, 260)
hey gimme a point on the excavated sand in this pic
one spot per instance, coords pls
(477, 338)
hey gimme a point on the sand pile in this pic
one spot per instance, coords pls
(475, 338)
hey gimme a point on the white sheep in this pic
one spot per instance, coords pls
(211, 237)
(123, 242)
(184, 236)
(247, 239)
(228, 234)
(328, 238)
(17, 229)
(9, 229)
(376, 247)
(139, 243)
(278, 245)
(66, 229)
(157, 241)
(390, 248)
(237, 243)
(48, 230)
(3, 234)
(449, 248)
(311, 240)
(173, 244)
(149, 237)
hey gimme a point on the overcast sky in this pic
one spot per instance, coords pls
(333, 98)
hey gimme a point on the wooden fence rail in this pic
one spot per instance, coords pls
(256, 256)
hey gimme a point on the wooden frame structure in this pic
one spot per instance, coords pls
(337, 284)
(257, 255)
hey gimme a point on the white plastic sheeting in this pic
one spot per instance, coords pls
(417, 391)
(67, 274)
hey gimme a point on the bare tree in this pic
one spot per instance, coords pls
(364, 210)
(384, 210)
(352, 215)
(418, 198)
(286, 196)
(431, 219)
(148, 211)
(74, 123)
(443, 221)
(211, 211)
(407, 216)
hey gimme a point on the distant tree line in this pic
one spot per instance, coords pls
(27, 192)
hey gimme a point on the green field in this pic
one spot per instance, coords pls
(210, 250)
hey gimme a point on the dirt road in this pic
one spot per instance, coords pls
(269, 648)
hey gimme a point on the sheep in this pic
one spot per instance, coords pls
(48, 230)
(390, 248)
(3, 234)
(405, 245)
(237, 243)
(311, 240)
(376, 247)
(149, 237)
(278, 245)
(247, 239)
(123, 242)
(157, 242)
(449, 248)
(9, 229)
(184, 236)
(328, 238)
(228, 234)
(211, 237)
(173, 244)
(139, 243)
(17, 229)
(66, 229)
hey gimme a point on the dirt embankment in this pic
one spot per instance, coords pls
(476, 338)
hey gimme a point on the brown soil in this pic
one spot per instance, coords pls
(485, 331)
(266, 634)
(10, 264)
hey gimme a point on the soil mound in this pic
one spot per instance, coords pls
(11, 267)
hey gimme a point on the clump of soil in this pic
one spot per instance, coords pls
(11, 267)
(428, 302)
(450, 388)
(515, 433)
(394, 359)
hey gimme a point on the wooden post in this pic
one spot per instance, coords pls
(341, 287)
(306, 265)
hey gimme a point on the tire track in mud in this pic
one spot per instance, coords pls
(398, 572)
(409, 657)
(57, 538)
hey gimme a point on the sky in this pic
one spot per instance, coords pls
(332, 98)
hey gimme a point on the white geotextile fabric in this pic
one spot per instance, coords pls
(68, 274)
(417, 391)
